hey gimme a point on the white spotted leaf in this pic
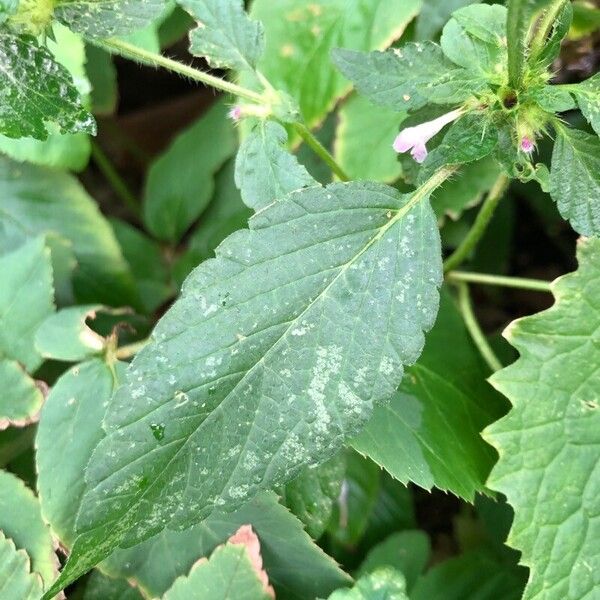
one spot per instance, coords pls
(273, 356)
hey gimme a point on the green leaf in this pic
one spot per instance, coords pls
(157, 562)
(265, 171)
(25, 300)
(575, 179)
(74, 407)
(405, 551)
(55, 106)
(180, 183)
(7, 8)
(587, 95)
(101, 587)
(434, 15)
(553, 98)
(102, 75)
(21, 520)
(225, 36)
(361, 123)
(475, 39)
(66, 336)
(466, 189)
(107, 18)
(228, 575)
(548, 442)
(409, 77)
(383, 584)
(21, 399)
(264, 380)
(559, 30)
(475, 575)
(443, 397)
(16, 582)
(311, 495)
(36, 201)
(300, 35)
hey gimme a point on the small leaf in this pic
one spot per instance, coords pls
(383, 584)
(548, 443)
(21, 399)
(225, 35)
(107, 18)
(55, 106)
(575, 179)
(553, 98)
(21, 521)
(361, 123)
(311, 495)
(26, 299)
(559, 30)
(407, 78)
(362, 242)
(180, 183)
(16, 582)
(37, 201)
(66, 336)
(444, 396)
(265, 171)
(587, 95)
(406, 551)
(300, 35)
(227, 575)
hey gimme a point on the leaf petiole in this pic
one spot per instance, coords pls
(520, 283)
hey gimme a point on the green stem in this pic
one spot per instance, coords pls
(545, 25)
(129, 351)
(466, 308)
(320, 150)
(479, 226)
(116, 181)
(157, 60)
(521, 283)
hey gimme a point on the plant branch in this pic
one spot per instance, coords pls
(479, 226)
(320, 150)
(115, 180)
(466, 308)
(154, 59)
(521, 283)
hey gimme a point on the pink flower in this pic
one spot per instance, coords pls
(527, 145)
(235, 113)
(415, 138)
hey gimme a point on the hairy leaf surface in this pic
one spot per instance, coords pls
(575, 179)
(38, 94)
(272, 357)
(549, 442)
(265, 170)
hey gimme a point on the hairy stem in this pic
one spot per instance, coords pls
(157, 60)
(115, 180)
(466, 308)
(479, 226)
(320, 150)
(545, 26)
(521, 283)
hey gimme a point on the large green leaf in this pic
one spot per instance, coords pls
(21, 399)
(549, 442)
(587, 95)
(101, 587)
(428, 433)
(228, 575)
(237, 397)
(407, 78)
(69, 150)
(364, 138)
(300, 35)
(433, 16)
(26, 299)
(21, 520)
(225, 35)
(16, 581)
(38, 94)
(36, 201)
(575, 179)
(108, 18)
(181, 182)
(265, 170)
